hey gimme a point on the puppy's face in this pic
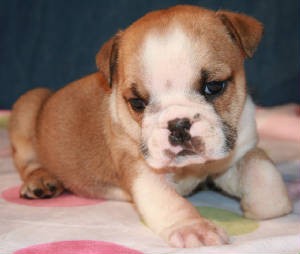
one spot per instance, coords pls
(179, 86)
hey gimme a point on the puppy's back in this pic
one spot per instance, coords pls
(70, 136)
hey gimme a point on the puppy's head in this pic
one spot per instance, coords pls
(178, 83)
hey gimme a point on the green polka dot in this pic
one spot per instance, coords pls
(233, 223)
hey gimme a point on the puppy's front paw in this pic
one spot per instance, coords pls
(195, 234)
(40, 184)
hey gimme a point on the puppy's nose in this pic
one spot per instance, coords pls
(179, 128)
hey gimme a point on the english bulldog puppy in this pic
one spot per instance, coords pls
(167, 109)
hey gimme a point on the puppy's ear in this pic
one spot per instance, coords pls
(107, 59)
(244, 30)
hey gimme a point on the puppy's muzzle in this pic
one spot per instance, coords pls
(180, 135)
(179, 131)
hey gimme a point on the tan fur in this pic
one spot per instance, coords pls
(80, 107)
(22, 131)
(86, 137)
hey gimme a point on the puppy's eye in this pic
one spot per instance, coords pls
(137, 104)
(214, 87)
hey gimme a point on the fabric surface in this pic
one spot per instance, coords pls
(71, 225)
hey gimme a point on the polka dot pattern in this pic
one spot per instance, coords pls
(77, 247)
(65, 200)
(233, 223)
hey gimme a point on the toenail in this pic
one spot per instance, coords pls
(52, 188)
(38, 192)
(25, 196)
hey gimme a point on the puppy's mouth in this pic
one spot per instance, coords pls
(160, 153)
(185, 152)
(195, 147)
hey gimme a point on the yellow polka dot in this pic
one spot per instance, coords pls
(233, 223)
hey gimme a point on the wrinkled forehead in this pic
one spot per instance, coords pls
(168, 59)
(174, 55)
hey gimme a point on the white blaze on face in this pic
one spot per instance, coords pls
(168, 61)
(171, 65)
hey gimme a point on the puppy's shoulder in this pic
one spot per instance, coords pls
(80, 93)
(77, 102)
(88, 86)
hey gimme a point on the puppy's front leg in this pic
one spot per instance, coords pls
(170, 215)
(255, 180)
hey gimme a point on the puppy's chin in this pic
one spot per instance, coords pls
(207, 142)
(183, 158)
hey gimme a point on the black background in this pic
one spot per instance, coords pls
(53, 42)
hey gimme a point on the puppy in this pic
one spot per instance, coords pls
(168, 108)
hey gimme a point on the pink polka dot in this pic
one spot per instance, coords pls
(77, 247)
(5, 152)
(64, 200)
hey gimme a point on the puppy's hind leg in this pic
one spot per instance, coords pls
(37, 181)
(255, 180)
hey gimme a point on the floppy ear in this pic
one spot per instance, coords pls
(107, 59)
(244, 30)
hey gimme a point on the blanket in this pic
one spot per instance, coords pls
(71, 225)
